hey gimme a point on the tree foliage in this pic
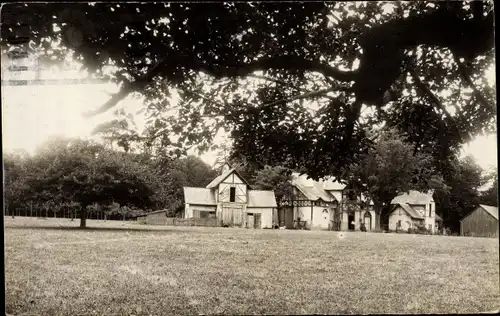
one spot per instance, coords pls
(249, 68)
(65, 173)
(277, 179)
(463, 195)
(490, 195)
(390, 168)
(69, 170)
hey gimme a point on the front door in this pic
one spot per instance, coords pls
(325, 219)
(250, 221)
(368, 221)
(350, 221)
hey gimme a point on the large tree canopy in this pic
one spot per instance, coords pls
(250, 67)
(391, 167)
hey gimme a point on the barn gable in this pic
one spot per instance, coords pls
(492, 210)
(234, 176)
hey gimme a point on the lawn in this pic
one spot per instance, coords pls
(120, 268)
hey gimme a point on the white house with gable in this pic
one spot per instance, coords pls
(413, 209)
(324, 205)
(230, 199)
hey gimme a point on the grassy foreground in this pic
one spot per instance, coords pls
(128, 269)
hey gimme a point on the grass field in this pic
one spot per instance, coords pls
(118, 268)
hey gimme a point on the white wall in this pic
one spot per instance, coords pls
(232, 182)
(189, 209)
(400, 215)
(266, 217)
(304, 212)
(319, 221)
(429, 221)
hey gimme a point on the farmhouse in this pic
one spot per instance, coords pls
(324, 205)
(482, 222)
(230, 200)
(413, 209)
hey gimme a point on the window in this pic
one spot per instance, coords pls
(400, 211)
(232, 194)
(430, 227)
(398, 224)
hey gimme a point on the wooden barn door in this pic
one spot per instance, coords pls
(250, 221)
(227, 216)
(257, 220)
(289, 217)
(232, 215)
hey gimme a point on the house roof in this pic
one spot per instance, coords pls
(199, 196)
(410, 211)
(215, 182)
(314, 190)
(261, 198)
(493, 210)
(330, 185)
(438, 218)
(413, 198)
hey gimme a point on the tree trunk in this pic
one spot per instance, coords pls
(378, 221)
(105, 216)
(378, 216)
(123, 217)
(83, 216)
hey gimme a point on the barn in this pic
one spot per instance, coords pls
(482, 222)
(231, 202)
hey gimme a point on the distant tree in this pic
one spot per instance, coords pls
(14, 168)
(277, 179)
(87, 173)
(463, 182)
(490, 195)
(389, 168)
(189, 171)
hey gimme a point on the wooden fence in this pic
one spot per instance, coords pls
(175, 221)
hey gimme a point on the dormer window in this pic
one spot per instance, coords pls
(232, 194)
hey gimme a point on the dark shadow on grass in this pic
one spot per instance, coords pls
(163, 229)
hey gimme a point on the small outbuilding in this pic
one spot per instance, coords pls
(153, 218)
(481, 222)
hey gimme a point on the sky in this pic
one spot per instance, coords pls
(32, 114)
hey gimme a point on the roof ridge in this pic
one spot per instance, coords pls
(196, 187)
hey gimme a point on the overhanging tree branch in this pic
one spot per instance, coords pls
(287, 62)
(300, 96)
(465, 75)
(129, 87)
(430, 95)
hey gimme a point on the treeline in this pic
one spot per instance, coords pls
(76, 178)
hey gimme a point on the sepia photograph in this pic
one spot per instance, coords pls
(249, 158)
